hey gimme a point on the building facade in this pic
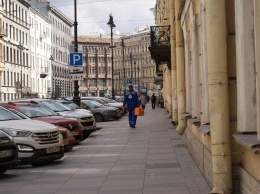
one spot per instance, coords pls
(40, 54)
(133, 60)
(97, 65)
(61, 85)
(15, 79)
(211, 85)
(2, 35)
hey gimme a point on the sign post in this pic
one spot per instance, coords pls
(76, 72)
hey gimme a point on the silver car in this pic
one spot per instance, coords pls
(100, 112)
(107, 102)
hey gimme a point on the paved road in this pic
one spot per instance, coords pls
(150, 159)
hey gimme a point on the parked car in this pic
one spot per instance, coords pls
(8, 152)
(86, 120)
(68, 127)
(100, 112)
(104, 102)
(119, 99)
(36, 141)
(114, 103)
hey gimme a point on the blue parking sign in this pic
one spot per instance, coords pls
(76, 59)
(129, 80)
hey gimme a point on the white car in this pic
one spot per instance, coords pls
(36, 141)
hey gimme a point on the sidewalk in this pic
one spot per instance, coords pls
(150, 159)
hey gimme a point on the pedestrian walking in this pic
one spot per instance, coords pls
(153, 100)
(132, 101)
(143, 101)
(148, 98)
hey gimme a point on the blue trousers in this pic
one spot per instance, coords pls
(131, 117)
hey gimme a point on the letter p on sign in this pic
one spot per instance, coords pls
(76, 59)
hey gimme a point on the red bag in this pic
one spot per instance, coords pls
(139, 111)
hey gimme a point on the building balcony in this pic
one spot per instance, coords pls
(160, 48)
(2, 32)
(43, 72)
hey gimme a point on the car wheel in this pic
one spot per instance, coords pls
(99, 117)
(3, 170)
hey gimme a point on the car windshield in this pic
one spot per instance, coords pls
(8, 115)
(92, 104)
(109, 100)
(20, 114)
(55, 106)
(36, 111)
(120, 99)
(71, 105)
(100, 101)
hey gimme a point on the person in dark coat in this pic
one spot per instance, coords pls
(132, 101)
(148, 98)
(153, 100)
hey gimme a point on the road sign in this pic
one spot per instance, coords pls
(76, 69)
(129, 80)
(76, 76)
(76, 59)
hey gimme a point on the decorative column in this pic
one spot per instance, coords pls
(218, 95)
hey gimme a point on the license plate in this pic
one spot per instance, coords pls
(5, 154)
(52, 150)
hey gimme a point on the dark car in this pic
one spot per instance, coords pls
(8, 152)
(100, 112)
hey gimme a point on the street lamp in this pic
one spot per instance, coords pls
(112, 25)
(21, 47)
(123, 48)
(76, 98)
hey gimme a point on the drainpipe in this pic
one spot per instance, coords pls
(218, 95)
(169, 91)
(180, 61)
(173, 64)
(169, 74)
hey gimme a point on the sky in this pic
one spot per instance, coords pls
(93, 15)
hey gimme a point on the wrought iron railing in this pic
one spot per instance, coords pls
(160, 36)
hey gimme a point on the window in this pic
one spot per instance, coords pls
(7, 53)
(11, 78)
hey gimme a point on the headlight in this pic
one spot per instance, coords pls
(17, 132)
(24, 148)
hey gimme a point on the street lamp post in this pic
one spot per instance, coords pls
(76, 98)
(123, 49)
(135, 71)
(112, 25)
(138, 72)
(21, 47)
(131, 70)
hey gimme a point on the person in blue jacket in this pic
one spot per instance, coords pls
(132, 101)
